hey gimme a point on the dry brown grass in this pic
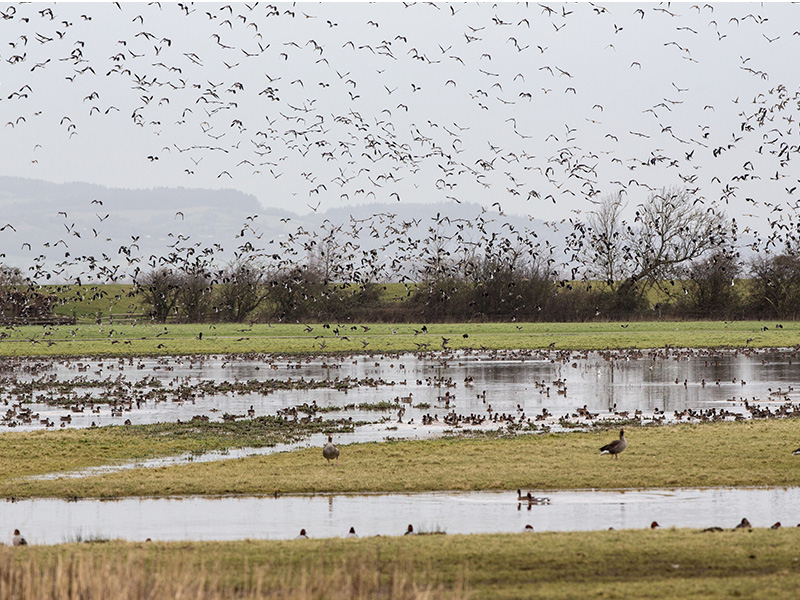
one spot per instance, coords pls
(660, 564)
(138, 576)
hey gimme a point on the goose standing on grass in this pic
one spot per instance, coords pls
(796, 451)
(616, 446)
(330, 451)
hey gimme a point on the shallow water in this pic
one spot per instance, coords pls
(47, 521)
(511, 384)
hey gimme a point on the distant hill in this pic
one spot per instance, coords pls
(59, 229)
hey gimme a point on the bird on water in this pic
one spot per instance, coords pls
(18, 539)
(330, 451)
(617, 446)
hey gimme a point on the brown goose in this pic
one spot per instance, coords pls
(330, 451)
(616, 446)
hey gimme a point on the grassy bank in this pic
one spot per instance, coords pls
(756, 453)
(120, 339)
(41, 452)
(607, 564)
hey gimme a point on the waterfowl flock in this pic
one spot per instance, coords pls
(303, 535)
(377, 137)
(78, 392)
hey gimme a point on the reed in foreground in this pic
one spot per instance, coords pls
(605, 564)
(138, 578)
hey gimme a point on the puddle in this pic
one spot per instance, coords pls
(47, 521)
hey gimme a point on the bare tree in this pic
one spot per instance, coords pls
(193, 273)
(159, 289)
(776, 285)
(20, 300)
(195, 293)
(604, 250)
(298, 293)
(669, 231)
(326, 255)
(242, 289)
(710, 289)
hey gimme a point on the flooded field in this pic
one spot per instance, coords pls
(409, 395)
(47, 521)
(403, 396)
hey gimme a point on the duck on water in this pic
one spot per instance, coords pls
(531, 499)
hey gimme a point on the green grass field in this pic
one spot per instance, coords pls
(41, 452)
(121, 339)
(753, 453)
(88, 302)
(607, 564)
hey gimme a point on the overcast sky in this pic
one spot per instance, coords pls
(542, 108)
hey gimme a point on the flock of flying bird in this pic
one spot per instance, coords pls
(538, 108)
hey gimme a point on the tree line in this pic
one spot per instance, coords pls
(675, 259)
(670, 257)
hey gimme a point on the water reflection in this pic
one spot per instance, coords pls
(513, 384)
(47, 521)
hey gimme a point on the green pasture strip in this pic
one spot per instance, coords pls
(41, 452)
(660, 564)
(119, 339)
(753, 453)
(92, 301)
